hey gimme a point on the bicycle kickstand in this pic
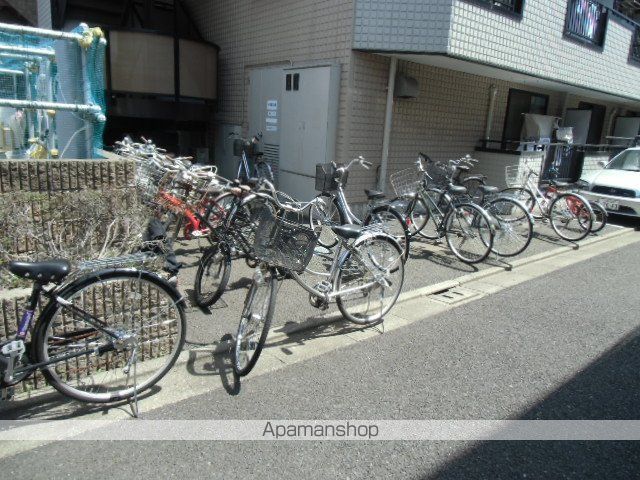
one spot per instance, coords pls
(133, 360)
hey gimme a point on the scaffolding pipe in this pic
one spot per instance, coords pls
(39, 52)
(20, 56)
(40, 32)
(35, 105)
(9, 71)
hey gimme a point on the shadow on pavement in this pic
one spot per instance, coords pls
(607, 389)
(218, 364)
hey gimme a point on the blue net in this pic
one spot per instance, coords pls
(52, 93)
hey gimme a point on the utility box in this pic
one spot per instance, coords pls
(406, 87)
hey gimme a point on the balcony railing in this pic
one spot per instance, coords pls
(586, 21)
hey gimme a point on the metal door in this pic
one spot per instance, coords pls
(264, 113)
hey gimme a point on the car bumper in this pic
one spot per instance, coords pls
(627, 206)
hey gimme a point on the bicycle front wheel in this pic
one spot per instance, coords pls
(392, 223)
(469, 233)
(600, 217)
(255, 321)
(145, 312)
(212, 275)
(527, 198)
(371, 279)
(571, 217)
(263, 170)
(514, 226)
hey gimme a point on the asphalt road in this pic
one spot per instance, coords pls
(563, 346)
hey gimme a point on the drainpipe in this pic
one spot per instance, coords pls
(493, 91)
(388, 118)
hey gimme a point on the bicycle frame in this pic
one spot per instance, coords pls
(26, 324)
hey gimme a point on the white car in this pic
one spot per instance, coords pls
(617, 185)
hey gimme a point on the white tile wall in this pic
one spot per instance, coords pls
(535, 45)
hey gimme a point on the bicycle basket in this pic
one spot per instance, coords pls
(438, 174)
(406, 182)
(147, 180)
(283, 243)
(326, 180)
(514, 176)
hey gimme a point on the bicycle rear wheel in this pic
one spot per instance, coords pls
(514, 226)
(375, 277)
(255, 321)
(469, 233)
(571, 217)
(143, 309)
(212, 275)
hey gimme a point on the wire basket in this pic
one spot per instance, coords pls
(181, 191)
(515, 176)
(439, 174)
(284, 243)
(406, 182)
(148, 178)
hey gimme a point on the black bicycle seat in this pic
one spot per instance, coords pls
(486, 189)
(49, 271)
(347, 231)
(374, 194)
(456, 189)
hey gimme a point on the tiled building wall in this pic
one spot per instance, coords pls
(281, 32)
(535, 45)
(408, 25)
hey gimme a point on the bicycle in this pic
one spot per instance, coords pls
(446, 212)
(513, 224)
(104, 336)
(332, 207)
(365, 277)
(570, 214)
(261, 169)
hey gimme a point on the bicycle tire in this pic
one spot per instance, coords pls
(247, 314)
(558, 214)
(262, 169)
(400, 232)
(482, 222)
(418, 222)
(132, 289)
(510, 225)
(433, 219)
(601, 217)
(525, 196)
(317, 218)
(346, 268)
(215, 255)
(473, 185)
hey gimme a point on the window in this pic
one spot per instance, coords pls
(513, 7)
(586, 21)
(296, 82)
(520, 102)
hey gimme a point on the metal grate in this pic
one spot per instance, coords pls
(586, 21)
(271, 155)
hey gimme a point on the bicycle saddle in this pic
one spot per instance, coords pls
(456, 189)
(558, 184)
(347, 231)
(49, 271)
(486, 189)
(374, 194)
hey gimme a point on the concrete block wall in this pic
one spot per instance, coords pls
(535, 45)
(280, 32)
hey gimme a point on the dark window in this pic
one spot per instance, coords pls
(288, 82)
(635, 45)
(513, 7)
(520, 102)
(296, 81)
(586, 21)
(596, 123)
